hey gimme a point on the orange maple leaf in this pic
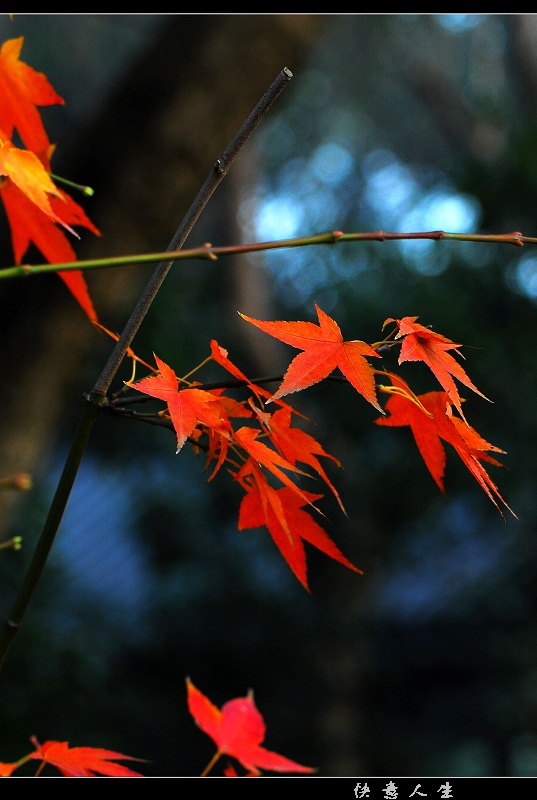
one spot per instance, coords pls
(324, 350)
(280, 510)
(83, 762)
(297, 445)
(220, 355)
(238, 730)
(29, 223)
(422, 344)
(434, 421)
(33, 203)
(21, 90)
(29, 175)
(186, 407)
(259, 453)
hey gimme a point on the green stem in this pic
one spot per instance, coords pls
(87, 190)
(209, 253)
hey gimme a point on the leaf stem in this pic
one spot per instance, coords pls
(211, 764)
(192, 371)
(87, 190)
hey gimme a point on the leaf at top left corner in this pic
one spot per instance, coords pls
(22, 89)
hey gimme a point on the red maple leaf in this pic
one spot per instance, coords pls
(220, 355)
(33, 203)
(238, 730)
(430, 419)
(83, 762)
(21, 90)
(281, 510)
(261, 454)
(324, 350)
(297, 445)
(423, 344)
(27, 172)
(186, 407)
(29, 224)
(424, 427)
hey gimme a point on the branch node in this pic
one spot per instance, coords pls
(209, 251)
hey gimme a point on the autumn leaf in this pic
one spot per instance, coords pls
(186, 407)
(282, 512)
(422, 344)
(324, 350)
(433, 422)
(29, 175)
(218, 443)
(83, 762)
(220, 355)
(297, 445)
(232, 408)
(402, 411)
(261, 454)
(33, 203)
(21, 90)
(238, 730)
(29, 224)
(471, 449)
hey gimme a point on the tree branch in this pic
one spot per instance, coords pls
(209, 253)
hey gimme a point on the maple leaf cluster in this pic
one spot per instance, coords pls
(36, 208)
(268, 449)
(273, 446)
